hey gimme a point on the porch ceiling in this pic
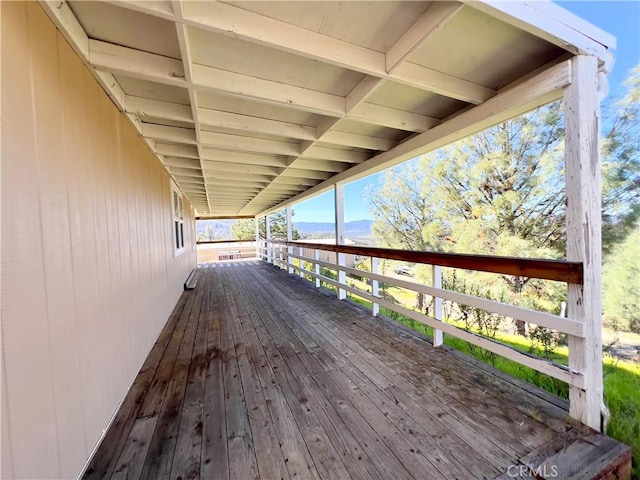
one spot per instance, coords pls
(251, 104)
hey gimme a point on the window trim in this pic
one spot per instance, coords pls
(177, 223)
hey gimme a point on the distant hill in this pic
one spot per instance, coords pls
(221, 229)
(355, 229)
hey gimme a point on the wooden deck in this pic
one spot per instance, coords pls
(259, 375)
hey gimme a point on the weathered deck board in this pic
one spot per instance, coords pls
(259, 375)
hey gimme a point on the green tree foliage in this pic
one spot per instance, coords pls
(621, 163)
(245, 228)
(501, 192)
(621, 282)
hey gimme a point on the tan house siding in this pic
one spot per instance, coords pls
(89, 275)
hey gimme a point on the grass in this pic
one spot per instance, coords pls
(621, 378)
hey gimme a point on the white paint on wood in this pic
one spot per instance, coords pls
(554, 24)
(289, 213)
(375, 287)
(560, 372)
(431, 20)
(539, 90)
(583, 187)
(249, 124)
(436, 274)
(158, 109)
(338, 190)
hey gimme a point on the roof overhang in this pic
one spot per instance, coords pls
(254, 105)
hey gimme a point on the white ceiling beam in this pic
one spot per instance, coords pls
(363, 90)
(218, 175)
(431, 20)
(361, 141)
(248, 124)
(320, 165)
(240, 168)
(268, 91)
(181, 151)
(554, 24)
(238, 23)
(169, 134)
(233, 189)
(544, 88)
(326, 153)
(187, 180)
(299, 173)
(185, 172)
(157, 109)
(209, 154)
(182, 162)
(136, 63)
(298, 182)
(248, 144)
(392, 118)
(156, 68)
(221, 183)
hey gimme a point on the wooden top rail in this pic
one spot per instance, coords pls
(208, 242)
(557, 270)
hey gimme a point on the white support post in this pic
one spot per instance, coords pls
(270, 257)
(256, 223)
(584, 243)
(436, 271)
(316, 256)
(289, 236)
(300, 262)
(338, 189)
(281, 255)
(375, 287)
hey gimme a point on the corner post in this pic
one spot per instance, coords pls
(338, 190)
(270, 254)
(289, 237)
(584, 243)
(375, 287)
(436, 271)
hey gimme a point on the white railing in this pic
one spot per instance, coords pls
(283, 254)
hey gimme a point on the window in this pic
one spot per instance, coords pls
(178, 221)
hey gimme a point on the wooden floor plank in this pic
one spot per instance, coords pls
(259, 375)
(188, 451)
(162, 448)
(215, 461)
(135, 449)
(241, 452)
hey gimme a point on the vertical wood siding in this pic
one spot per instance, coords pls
(89, 275)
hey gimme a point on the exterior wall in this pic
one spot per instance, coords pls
(89, 275)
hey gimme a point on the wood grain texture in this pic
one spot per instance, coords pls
(299, 385)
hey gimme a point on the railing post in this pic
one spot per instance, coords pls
(289, 236)
(436, 271)
(584, 243)
(256, 223)
(300, 264)
(270, 259)
(375, 287)
(316, 256)
(340, 257)
(281, 255)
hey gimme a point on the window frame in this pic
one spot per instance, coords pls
(177, 224)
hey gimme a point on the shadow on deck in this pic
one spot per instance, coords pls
(259, 375)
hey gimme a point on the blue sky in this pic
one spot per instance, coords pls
(620, 18)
